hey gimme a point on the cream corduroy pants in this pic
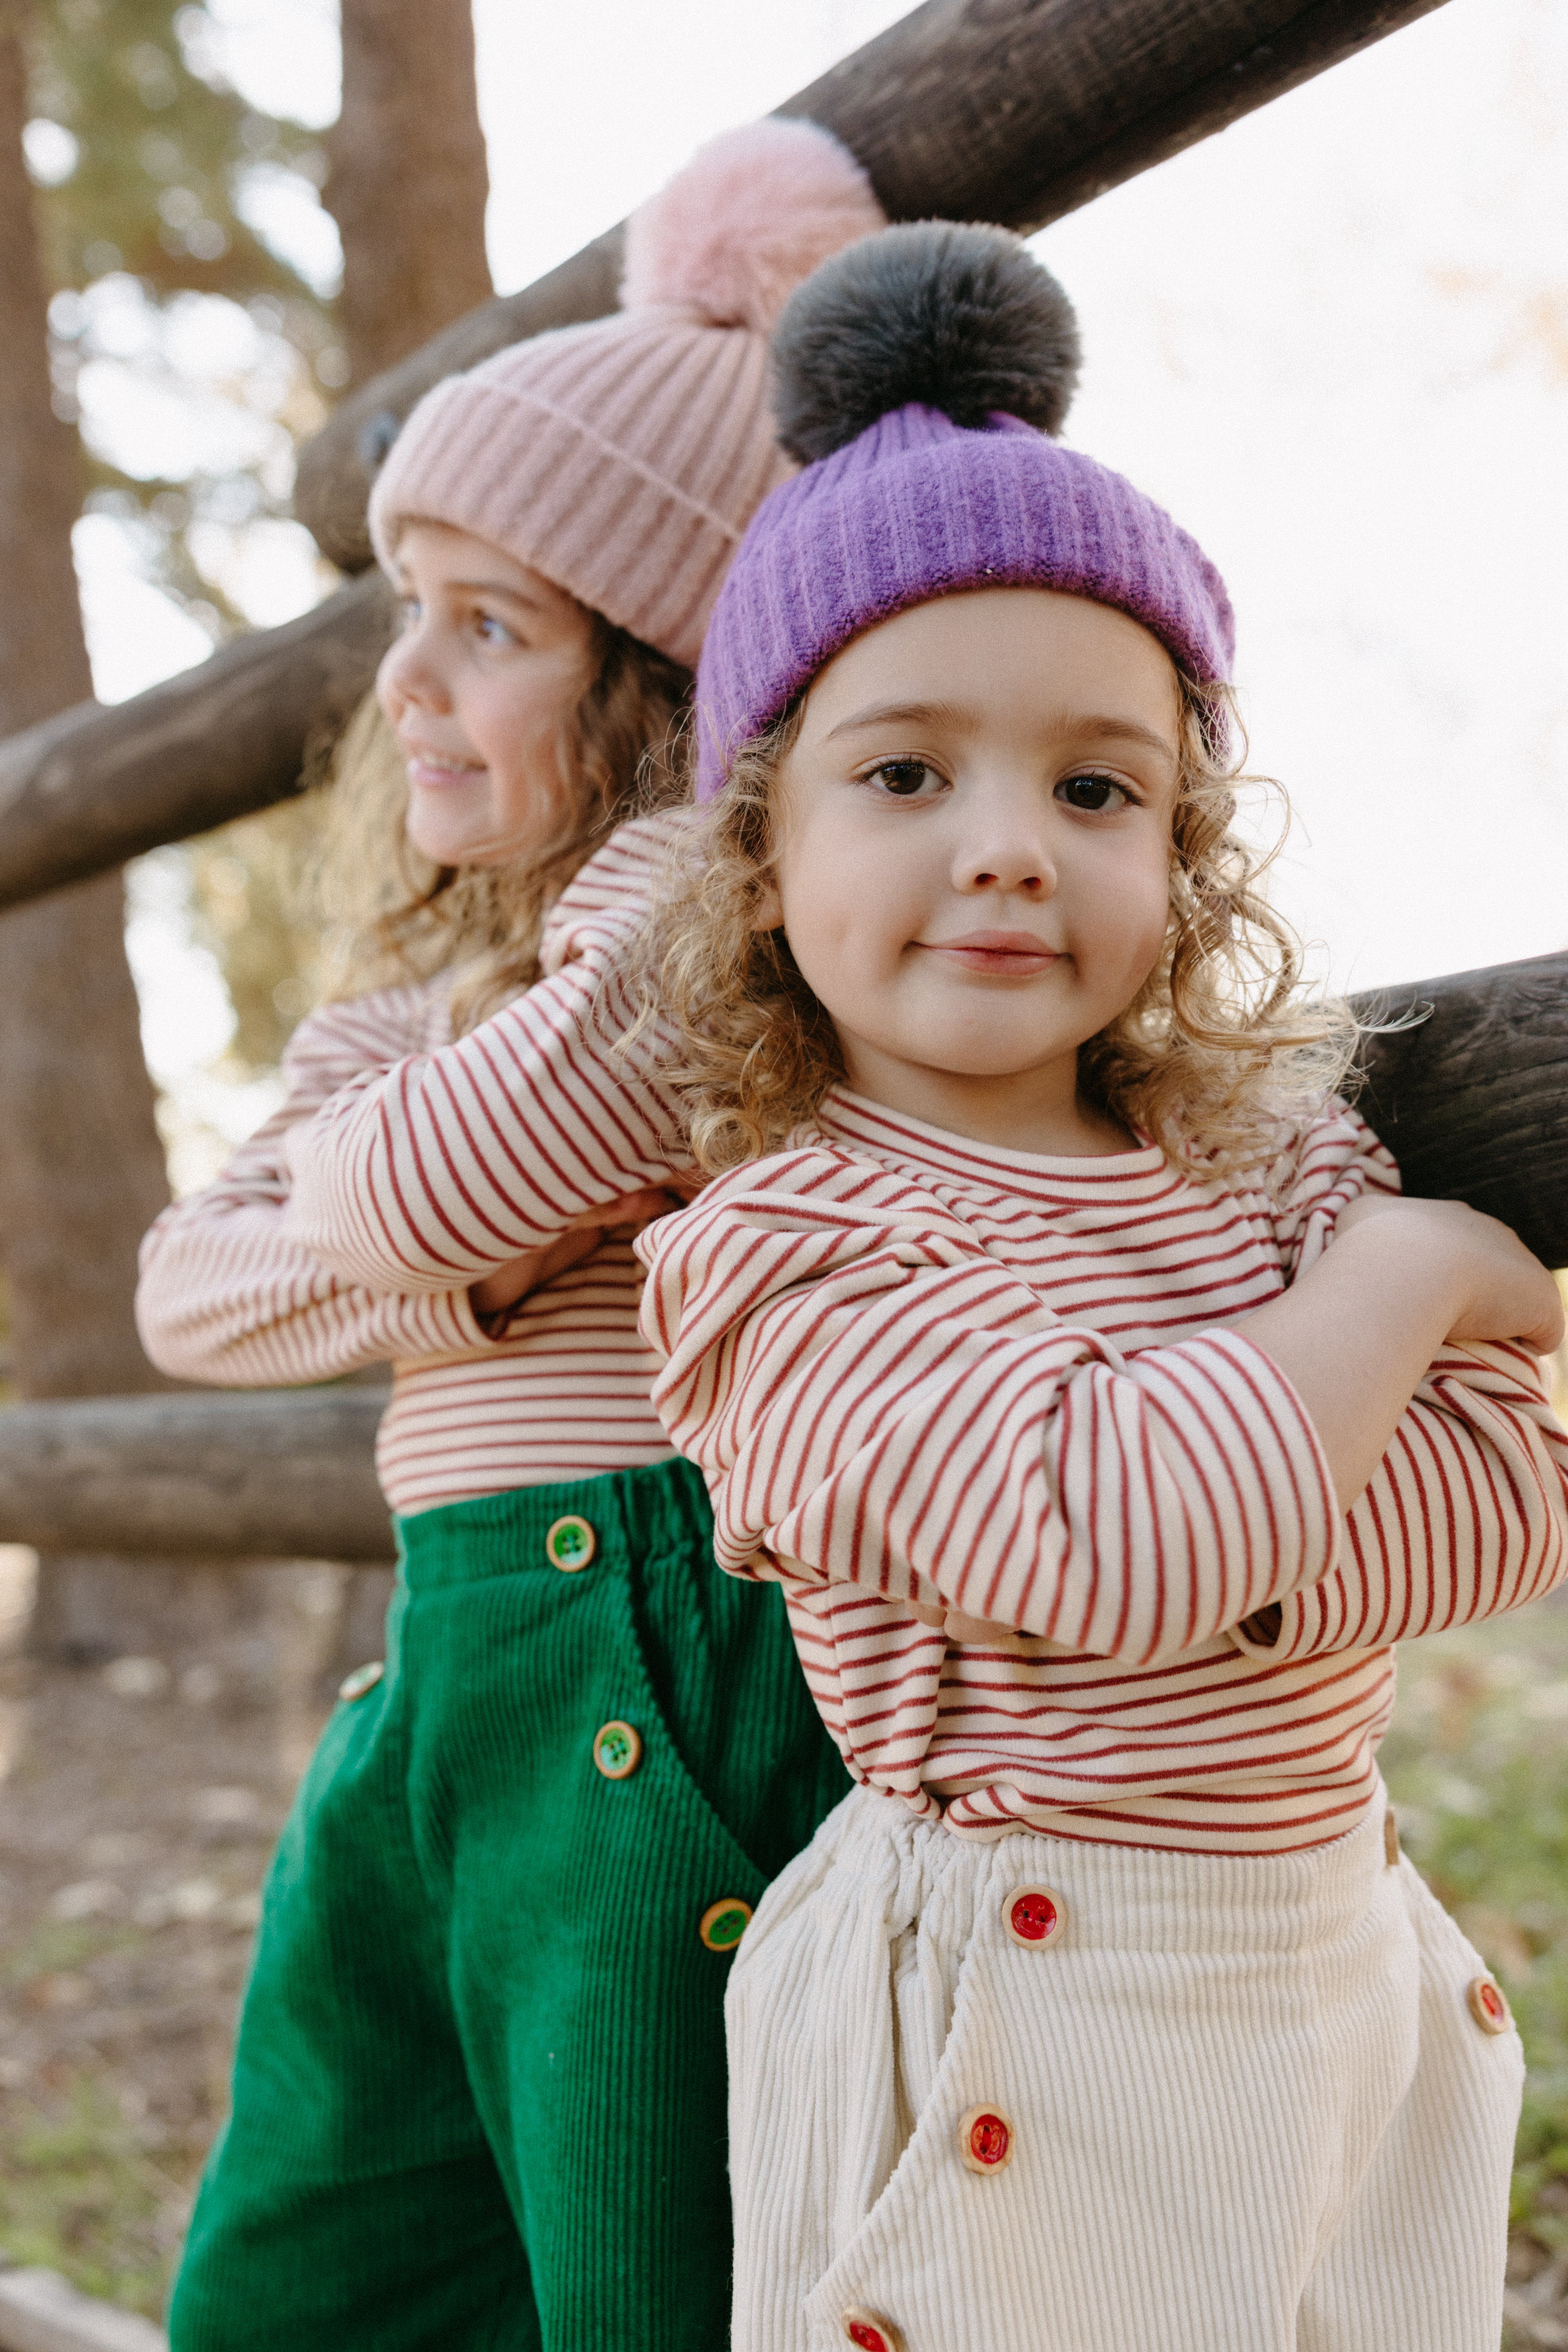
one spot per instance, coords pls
(1250, 2109)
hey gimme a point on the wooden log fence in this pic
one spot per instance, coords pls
(1472, 1095)
(1013, 110)
(283, 1474)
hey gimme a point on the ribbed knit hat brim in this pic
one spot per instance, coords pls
(621, 460)
(918, 507)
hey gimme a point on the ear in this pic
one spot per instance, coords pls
(767, 907)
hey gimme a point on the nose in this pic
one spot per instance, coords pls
(409, 674)
(1008, 854)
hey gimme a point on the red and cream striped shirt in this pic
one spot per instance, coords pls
(230, 1294)
(941, 1391)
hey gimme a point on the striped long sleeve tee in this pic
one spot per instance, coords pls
(231, 1292)
(981, 1413)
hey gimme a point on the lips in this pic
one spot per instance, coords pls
(434, 771)
(1009, 955)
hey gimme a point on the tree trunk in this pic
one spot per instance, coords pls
(408, 179)
(81, 1167)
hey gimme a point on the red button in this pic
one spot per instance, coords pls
(1034, 1916)
(1488, 2007)
(986, 2139)
(870, 2332)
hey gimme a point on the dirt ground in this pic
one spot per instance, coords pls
(140, 1795)
(140, 1799)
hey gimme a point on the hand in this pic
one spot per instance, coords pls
(1500, 1291)
(620, 1220)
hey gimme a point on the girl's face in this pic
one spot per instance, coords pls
(974, 839)
(491, 662)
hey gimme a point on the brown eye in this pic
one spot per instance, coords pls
(905, 779)
(1095, 795)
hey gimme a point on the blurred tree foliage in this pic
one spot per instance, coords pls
(152, 172)
(152, 175)
(254, 908)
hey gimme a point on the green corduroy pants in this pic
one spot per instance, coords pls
(479, 2086)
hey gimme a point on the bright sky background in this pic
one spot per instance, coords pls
(1334, 340)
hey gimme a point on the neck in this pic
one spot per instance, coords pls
(1037, 1111)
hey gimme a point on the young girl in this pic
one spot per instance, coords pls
(1104, 1412)
(1078, 1371)
(479, 2089)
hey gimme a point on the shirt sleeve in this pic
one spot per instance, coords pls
(1466, 1515)
(227, 1295)
(425, 1176)
(874, 1400)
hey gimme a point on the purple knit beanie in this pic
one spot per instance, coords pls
(918, 375)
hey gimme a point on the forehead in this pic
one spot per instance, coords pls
(1030, 655)
(441, 554)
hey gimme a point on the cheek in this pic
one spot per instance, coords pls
(1135, 903)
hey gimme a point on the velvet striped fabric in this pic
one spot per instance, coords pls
(983, 1415)
(230, 1293)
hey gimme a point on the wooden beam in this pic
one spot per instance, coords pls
(1008, 111)
(1471, 1095)
(1472, 1099)
(275, 1474)
(96, 786)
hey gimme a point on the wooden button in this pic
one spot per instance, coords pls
(1391, 1838)
(871, 2332)
(569, 1544)
(1034, 1916)
(618, 1749)
(725, 1923)
(362, 1679)
(1487, 2006)
(986, 2139)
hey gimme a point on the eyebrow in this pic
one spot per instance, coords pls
(499, 588)
(898, 714)
(1101, 729)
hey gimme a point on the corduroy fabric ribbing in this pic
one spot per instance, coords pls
(1251, 2111)
(479, 2079)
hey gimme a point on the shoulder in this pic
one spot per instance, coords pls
(340, 1041)
(818, 1179)
(1335, 1152)
(614, 889)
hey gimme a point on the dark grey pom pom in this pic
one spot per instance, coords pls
(960, 318)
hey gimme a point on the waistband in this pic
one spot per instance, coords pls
(1140, 1898)
(661, 1506)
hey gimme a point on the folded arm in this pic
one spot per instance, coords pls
(874, 1400)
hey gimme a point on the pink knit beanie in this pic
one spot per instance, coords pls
(922, 377)
(624, 458)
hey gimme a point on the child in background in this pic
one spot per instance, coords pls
(479, 2089)
(1103, 1411)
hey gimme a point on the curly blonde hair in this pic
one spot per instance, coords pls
(393, 916)
(1217, 1059)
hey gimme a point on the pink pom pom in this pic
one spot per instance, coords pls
(755, 210)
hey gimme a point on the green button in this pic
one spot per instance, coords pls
(618, 1749)
(569, 1544)
(725, 1923)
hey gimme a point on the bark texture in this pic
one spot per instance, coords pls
(283, 1473)
(408, 179)
(81, 1167)
(92, 787)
